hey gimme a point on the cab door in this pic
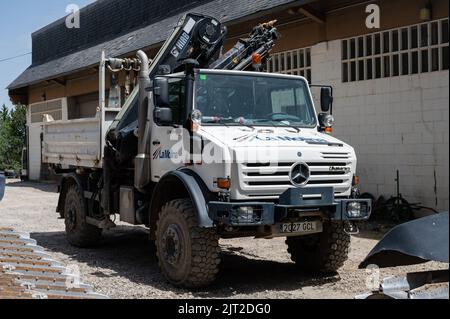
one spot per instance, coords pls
(167, 139)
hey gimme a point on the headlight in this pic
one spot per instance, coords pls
(328, 121)
(355, 210)
(196, 117)
(245, 215)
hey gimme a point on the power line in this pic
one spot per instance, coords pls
(14, 57)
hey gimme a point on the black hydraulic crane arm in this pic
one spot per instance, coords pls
(196, 37)
(201, 38)
(260, 42)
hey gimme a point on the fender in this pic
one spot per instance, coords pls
(179, 184)
(62, 189)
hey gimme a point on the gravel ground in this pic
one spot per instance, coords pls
(125, 266)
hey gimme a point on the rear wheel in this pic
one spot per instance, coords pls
(189, 256)
(78, 232)
(325, 252)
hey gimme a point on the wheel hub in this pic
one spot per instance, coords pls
(172, 245)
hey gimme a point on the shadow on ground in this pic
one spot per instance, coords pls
(369, 234)
(128, 253)
(43, 187)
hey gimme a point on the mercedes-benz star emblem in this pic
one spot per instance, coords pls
(300, 174)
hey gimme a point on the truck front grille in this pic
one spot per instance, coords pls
(269, 179)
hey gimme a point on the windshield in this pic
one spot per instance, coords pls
(225, 99)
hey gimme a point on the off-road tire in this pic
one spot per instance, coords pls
(78, 232)
(325, 252)
(198, 256)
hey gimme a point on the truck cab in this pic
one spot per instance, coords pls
(259, 148)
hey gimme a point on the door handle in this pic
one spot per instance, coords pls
(155, 143)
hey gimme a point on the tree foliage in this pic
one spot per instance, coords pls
(12, 136)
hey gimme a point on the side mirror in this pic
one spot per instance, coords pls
(161, 92)
(326, 99)
(163, 115)
(2, 186)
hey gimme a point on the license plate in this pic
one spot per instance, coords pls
(303, 227)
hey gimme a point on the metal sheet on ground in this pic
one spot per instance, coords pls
(415, 242)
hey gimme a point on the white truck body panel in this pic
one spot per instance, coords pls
(260, 164)
(37, 114)
(73, 143)
(80, 142)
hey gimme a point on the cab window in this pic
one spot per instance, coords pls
(177, 100)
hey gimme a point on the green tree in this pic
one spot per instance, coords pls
(4, 113)
(12, 136)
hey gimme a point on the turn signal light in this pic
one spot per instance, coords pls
(355, 180)
(224, 183)
(195, 127)
(256, 59)
(328, 130)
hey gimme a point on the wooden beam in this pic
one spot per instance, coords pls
(59, 82)
(16, 98)
(313, 14)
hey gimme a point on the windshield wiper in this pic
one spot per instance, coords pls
(292, 127)
(222, 121)
(217, 120)
(248, 126)
(273, 124)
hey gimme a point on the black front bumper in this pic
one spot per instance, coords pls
(294, 203)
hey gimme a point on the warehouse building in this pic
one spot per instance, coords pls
(390, 83)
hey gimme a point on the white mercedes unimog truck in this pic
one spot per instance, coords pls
(206, 148)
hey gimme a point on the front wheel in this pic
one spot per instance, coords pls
(189, 256)
(325, 252)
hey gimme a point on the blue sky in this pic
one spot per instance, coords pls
(20, 18)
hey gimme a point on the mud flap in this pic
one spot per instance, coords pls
(415, 242)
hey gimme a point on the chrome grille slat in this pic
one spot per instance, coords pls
(335, 155)
(271, 180)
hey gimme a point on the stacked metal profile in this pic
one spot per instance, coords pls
(28, 272)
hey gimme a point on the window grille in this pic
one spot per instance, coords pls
(295, 62)
(408, 50)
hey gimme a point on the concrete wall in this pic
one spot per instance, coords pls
(399, 123)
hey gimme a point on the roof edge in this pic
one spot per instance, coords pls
(254, 15)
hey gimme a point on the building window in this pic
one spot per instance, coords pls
(46, 111)
(405, 51)
(295, 62)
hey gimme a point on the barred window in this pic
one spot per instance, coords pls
(295, 62)
(409, 50)
(51, 109)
